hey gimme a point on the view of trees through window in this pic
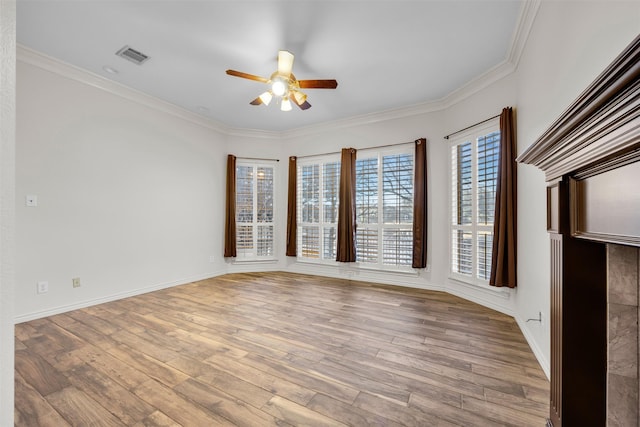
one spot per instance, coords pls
(474, 162)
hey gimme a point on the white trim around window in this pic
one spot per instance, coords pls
(384, 208)
(472, 183)
(255, 211)
(317, 211)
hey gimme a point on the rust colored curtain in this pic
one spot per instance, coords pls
(503, 255)
(346, 239)
(230, 209)
(420, 205)
(292, 223)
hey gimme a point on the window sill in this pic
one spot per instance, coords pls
(255, 261)
(484, 287)
(408, 272)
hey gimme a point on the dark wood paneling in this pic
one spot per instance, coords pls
(584, 333)
(555, 392)
(605, 207)
(578, 324)
(553, 209)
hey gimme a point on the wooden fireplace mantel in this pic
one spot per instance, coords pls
(591, 159)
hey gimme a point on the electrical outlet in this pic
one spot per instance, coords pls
(76, 282)
(212, 258)
(43, 287)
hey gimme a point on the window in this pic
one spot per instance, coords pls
(318, 184)
(384, 208)
(254, 211)
(474, 169)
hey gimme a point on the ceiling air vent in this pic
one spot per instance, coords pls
(132, 55)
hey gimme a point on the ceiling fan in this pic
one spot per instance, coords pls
(283, 84)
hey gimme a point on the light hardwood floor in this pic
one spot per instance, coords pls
(278, 349)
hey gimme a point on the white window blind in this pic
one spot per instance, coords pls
(474, 168)
(254, 211)
(318, 191)
(384, 208)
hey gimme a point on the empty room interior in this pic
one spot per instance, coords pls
(320, 213)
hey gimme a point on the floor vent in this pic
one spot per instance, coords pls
(132, 55)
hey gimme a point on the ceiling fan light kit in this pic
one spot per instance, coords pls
(284, 85)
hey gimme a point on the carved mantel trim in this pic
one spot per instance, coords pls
(601, 124)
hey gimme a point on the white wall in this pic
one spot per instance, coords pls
(128, 195)
(7, 216)
(569, 45)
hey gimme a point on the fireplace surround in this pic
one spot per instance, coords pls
(591, 159)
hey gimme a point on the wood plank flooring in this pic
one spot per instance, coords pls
(266, 349)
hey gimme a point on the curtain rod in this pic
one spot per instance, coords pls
(469, 127)
(257, 158)
(367, 148)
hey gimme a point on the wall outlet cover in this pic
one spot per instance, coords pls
(43, 287)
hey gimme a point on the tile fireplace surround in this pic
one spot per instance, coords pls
(623, 385)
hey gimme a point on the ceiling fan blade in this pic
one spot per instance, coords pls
(285, 63)
(256, 101)
(303, 105)
(247, 76)
(318, 84)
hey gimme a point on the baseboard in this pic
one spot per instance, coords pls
(537, 352)
(496, 299)
(409, 279)
(113, 297)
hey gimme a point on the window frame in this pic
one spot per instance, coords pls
(381, 226)
(322, 224)
(471, 135)
(241, 255)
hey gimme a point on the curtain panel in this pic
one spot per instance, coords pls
(292, 223)
(230, 209)
(346, 239)
(420, 205)
(503, 255)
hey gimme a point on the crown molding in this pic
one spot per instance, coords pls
(365, 119)
(32, 57)
(527, 16)
(528, 13)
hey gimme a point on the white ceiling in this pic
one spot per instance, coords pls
(385, 55)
